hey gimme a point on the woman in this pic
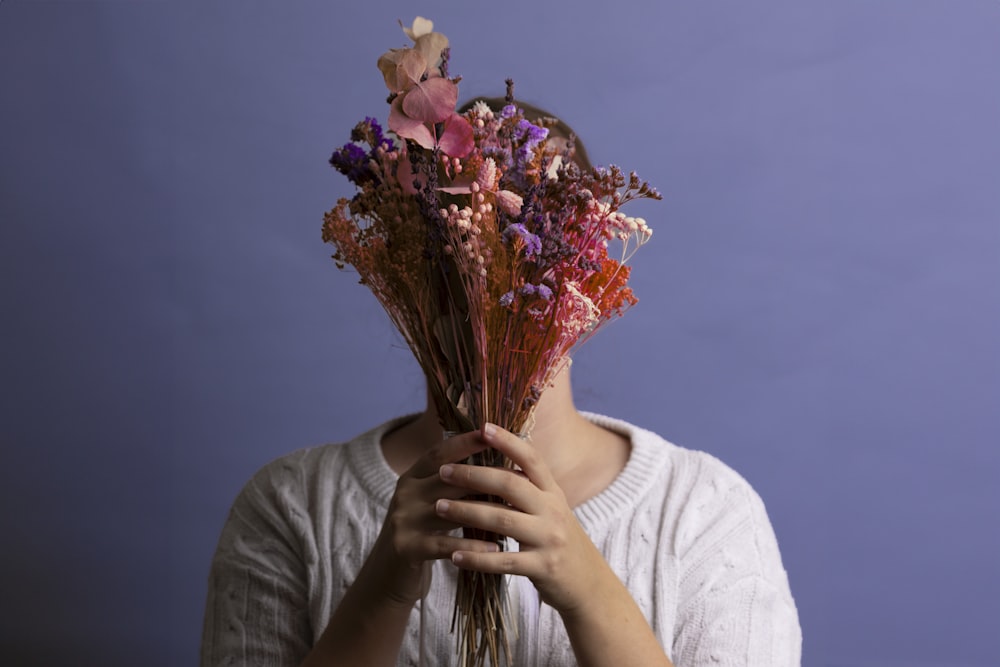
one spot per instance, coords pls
(321, 561)
(630, 550)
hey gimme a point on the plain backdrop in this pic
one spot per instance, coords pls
(818, 307)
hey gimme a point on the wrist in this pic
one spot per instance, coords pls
(602, 595)
(391, 578)
(368, 625)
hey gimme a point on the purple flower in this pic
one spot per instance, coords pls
(370, 132)
(532, 244)
(508, 111)
(352, 161)
(507, 299)
(526, 138)
(542, 291)
(531, 134)
(499, 155)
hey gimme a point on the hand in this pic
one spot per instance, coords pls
(413, 533)
(555, 552)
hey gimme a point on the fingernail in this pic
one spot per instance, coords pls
(457, 557)
(492, 548)
(442, 506)
(489, 430)
(446, 471)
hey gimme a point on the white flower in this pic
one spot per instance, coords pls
(482, 109)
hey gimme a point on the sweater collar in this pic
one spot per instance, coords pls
(645, 462)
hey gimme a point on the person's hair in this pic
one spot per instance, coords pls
(534, 114)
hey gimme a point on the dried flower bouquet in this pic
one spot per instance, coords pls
(488, 247)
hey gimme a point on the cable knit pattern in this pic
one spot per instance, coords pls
(687, 535)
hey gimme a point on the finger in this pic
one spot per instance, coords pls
(438, 547)
(499, 562)
(428, 521)
(511, 485)
(493, 517)
(429, 489)
(522, 453)
(456, 448)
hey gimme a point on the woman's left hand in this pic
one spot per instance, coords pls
(555, 552)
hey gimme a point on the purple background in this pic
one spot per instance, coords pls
(819, 307)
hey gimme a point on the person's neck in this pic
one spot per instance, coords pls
(583, 457)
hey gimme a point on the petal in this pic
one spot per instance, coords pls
(456, 139)
(431, 101)
(407, 127)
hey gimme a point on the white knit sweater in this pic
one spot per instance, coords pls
(687, 535)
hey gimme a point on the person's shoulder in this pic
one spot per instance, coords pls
(680, 470)
(295, 469)
(300, 477)
(707, 476)
(716, 530)
(697, 491)
(293, 473)
(277, 498)
(712, 490)
(714, 509)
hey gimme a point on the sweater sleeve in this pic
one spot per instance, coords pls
(735, 606)
(257, 608)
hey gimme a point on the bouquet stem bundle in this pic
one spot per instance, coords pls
(488, 248)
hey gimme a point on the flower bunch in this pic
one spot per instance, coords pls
(491, 250)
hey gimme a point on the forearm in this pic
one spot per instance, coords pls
(368, 625)
(610, 629)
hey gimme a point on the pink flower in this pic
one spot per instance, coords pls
(487, 176)
(510, 202)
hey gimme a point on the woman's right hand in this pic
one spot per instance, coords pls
(367, 626)
(413, 532)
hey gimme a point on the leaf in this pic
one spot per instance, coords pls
(407, 127)
(412, 66)
(387, 65)
(430, 47)
(456, 139)
(457, 189)
(432, 100)
(421, 26)
(405, 176)
(401, 68)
